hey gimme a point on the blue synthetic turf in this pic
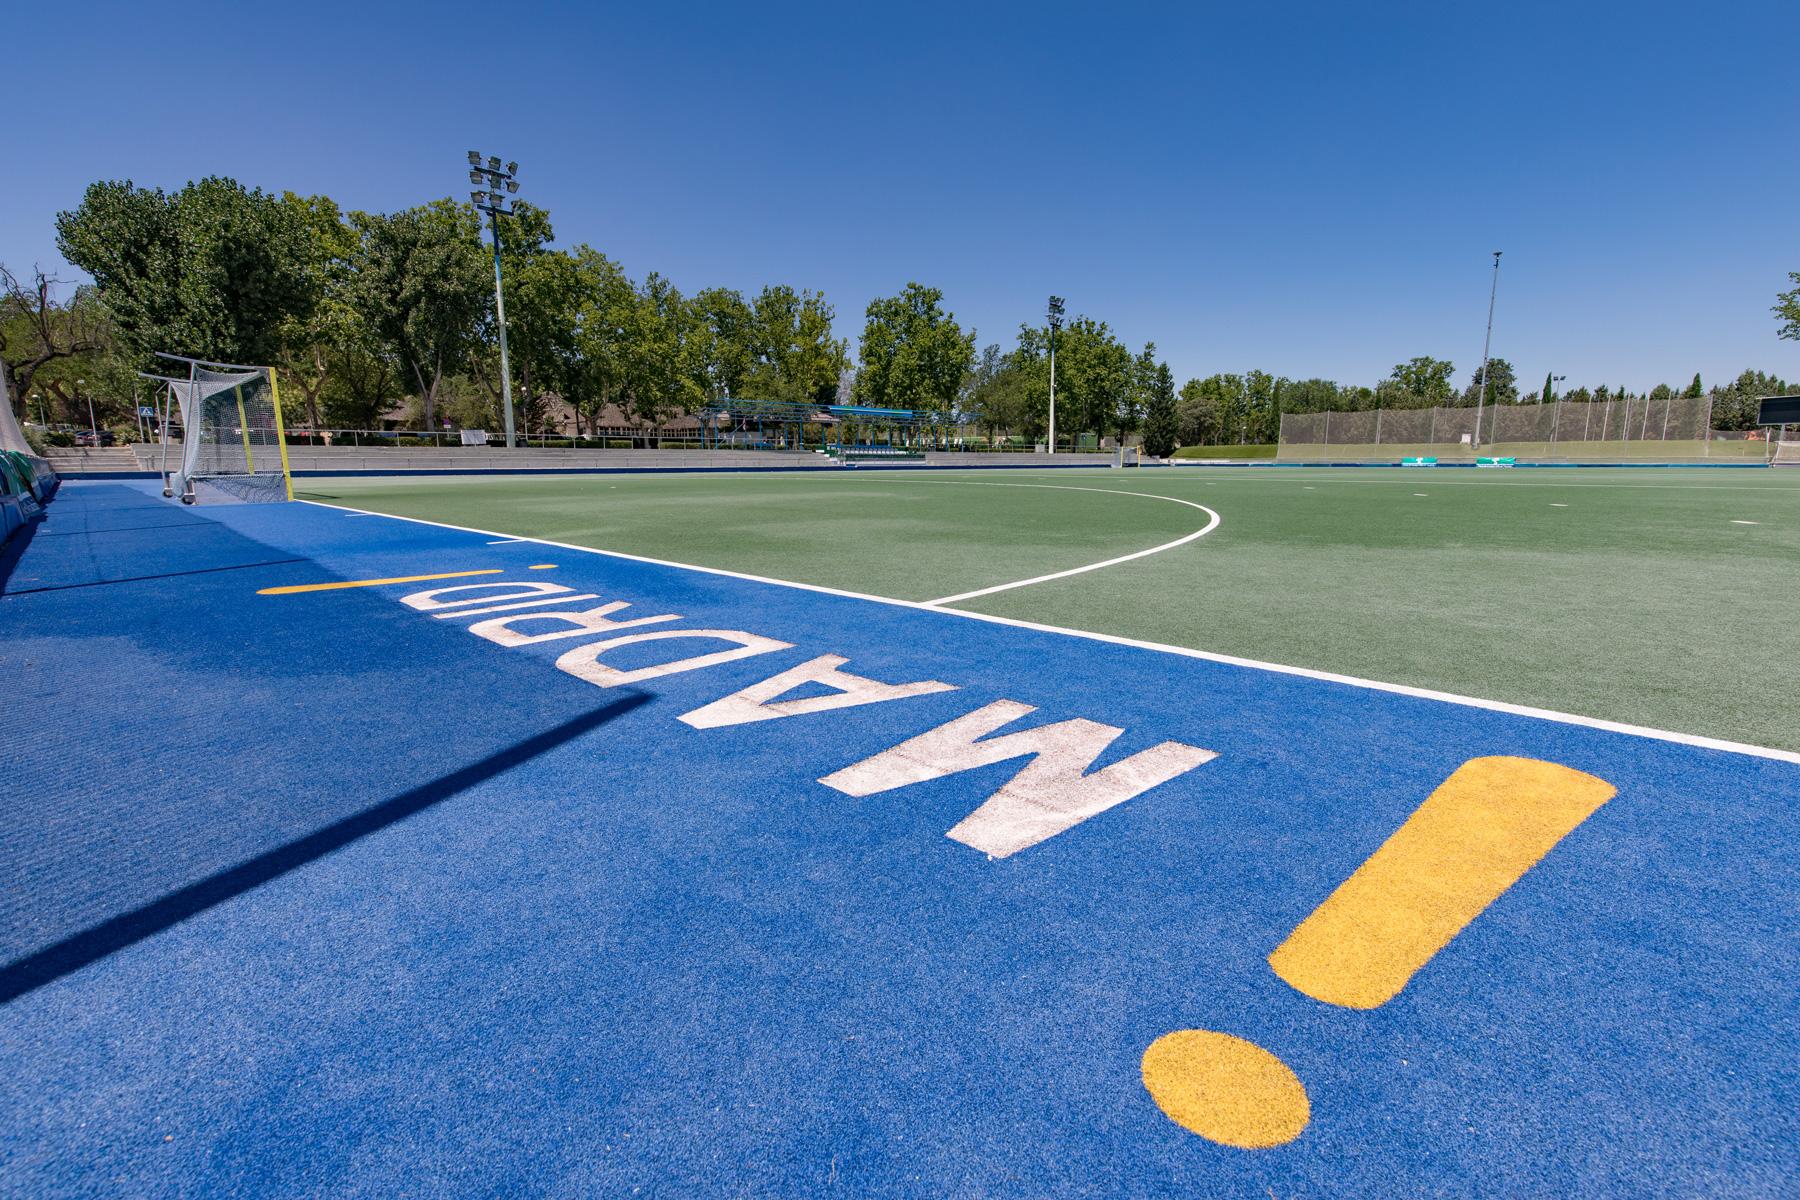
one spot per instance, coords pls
(318, 895)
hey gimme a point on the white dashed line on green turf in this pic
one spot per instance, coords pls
(1735, 521)
(1554, 504)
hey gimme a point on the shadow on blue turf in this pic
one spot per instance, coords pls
(97, 941)
(14, 549)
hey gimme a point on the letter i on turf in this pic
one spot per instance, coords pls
(1474, 837)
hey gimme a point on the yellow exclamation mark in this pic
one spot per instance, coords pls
(1473, 838)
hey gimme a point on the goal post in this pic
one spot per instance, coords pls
(233, 442)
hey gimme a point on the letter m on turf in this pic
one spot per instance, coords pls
(1050, 794)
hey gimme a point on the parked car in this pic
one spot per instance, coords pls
(85, 437)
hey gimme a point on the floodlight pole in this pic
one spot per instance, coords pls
(1056, 320)
(500, 321)
(1487, 343)
(493, 202)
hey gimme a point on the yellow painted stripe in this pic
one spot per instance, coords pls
(1473, 838)
(355, 583)
(287, 476)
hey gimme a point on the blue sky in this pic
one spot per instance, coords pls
(1313, 189)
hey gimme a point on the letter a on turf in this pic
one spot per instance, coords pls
(1049, 795)
(753, 703)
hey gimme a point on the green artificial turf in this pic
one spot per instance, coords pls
(1639, 601)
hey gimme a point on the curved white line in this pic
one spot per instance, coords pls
(1211, 524)
(1375, 685)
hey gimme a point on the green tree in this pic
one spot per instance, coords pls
(1737, 404)
(315, 341)
(1259, 411)
(1211, 410)
(1159, 415)
(995, 393)
(1093, 379)
(726, 341)
(1787, 309)
(913, 354)
(1694, 389)
(603, 317)
(1549, 392)
(421, 285)
(793, 356)
(1197, 416)
(1322, 395)
(214, 270)
(1422, 382)
(1502, 388)
(1139, 391)
(662, 372)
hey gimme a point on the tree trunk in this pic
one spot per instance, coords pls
(428, 394)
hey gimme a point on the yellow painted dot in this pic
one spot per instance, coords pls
(543, 566)
(1225, 1089)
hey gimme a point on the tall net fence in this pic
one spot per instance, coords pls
(1672, 429)
(231, 436)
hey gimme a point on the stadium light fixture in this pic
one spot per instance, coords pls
(1056, 323)
(492, 201)
(1486, 345)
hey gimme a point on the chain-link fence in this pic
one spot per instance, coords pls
(1672, 429)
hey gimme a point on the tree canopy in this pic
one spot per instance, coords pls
(914, 354)
(215, 270)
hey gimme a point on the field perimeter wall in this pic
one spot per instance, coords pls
(331, 460)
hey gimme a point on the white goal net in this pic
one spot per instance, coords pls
(231, 436)
(1787, 448)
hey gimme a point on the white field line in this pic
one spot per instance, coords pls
(1375, 685)
(1211, 524)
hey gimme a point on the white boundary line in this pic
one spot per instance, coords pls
(1211, 524)
(1400, 689)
